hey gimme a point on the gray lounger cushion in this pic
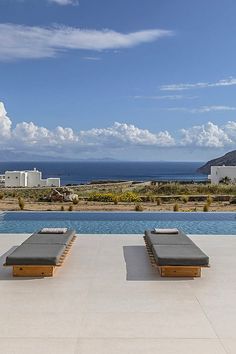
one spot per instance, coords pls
(52, 239)
(186, 255)
(164, 239)
(36, 254)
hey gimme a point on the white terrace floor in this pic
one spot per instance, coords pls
(107, 299)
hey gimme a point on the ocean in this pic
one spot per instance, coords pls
(84, 172)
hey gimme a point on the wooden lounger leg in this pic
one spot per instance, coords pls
(33, 271)
(179, 271)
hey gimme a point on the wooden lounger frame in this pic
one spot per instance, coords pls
(40, 270)
(173, 271)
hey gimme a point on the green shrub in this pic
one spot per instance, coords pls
(70, 208)
(1, 196)
(150, 198)
(138, 207)
(101, 197)
(185, 199)
(158, 201)
(189, 189)
(209, 200)
(62, 208)
(233, 200)
(75, 201)
(21, 203)
(130, 197)
(226, 180)
(176, 207)
(115, 200)
(206, 207)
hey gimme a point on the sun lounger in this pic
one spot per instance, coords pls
(49, 238)
(40, 254)
(167, 239)
(175, 255)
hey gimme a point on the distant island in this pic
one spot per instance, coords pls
(228, 159)
(16, 156)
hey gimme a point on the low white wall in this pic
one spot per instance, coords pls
(220, 172)
(53, 182)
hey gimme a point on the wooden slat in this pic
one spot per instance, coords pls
(179, 271)
(66, 252)
(33, 271)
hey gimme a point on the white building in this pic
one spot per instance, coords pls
(2, 180)
(29, 179)
(219, 173)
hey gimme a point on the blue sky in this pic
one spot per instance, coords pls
(163, 69)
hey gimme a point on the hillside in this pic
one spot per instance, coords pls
(228, 159)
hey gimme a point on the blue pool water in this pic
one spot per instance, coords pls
(119, 223)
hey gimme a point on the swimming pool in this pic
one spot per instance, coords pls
(119, 223)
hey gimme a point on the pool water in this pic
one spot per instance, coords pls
(119, 223)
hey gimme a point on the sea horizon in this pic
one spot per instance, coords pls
(78, 172)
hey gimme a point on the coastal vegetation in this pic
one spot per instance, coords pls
(130, 197)
(176, 207)
(21, 203)
(206, 207)
(125, 196)
(138, 207)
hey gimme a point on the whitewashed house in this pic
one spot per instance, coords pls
(222, 173)
(2, 180)
(29, 179)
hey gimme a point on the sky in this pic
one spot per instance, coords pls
(127, 79)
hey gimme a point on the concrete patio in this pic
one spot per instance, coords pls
(107, 299)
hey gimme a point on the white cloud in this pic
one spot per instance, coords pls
(65, 2)
(230, 130)
(30, 134)
(206, 135)
(203, 109)
(165, 97)
(61, 141)
(187, 86)
(25, 42)
(122, 133)
(5, 124)
(92, 58)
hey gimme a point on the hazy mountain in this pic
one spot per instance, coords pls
(8, 156)
(228, 159)
(15, 156)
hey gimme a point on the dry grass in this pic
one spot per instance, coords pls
(11, 204)
(146, 193)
